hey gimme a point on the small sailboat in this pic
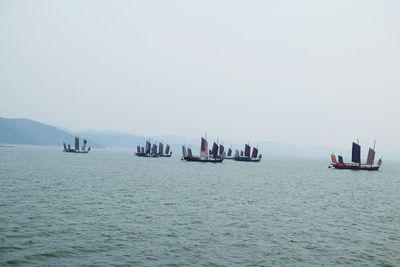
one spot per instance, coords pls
(161, 153)
(355, 163)
(229, 154)
(206, 155)
(76, 149)
(246, 156)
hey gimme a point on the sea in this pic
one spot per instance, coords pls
(110, 208)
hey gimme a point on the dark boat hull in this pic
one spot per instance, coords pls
(164, 156)
(74, 151)
(209, 160)
(246, 159)
(362, 167)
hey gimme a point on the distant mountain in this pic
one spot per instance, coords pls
(29, 132)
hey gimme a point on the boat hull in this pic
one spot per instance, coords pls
(246, 159)
(208, 160)
(74, 151)
(361, 167)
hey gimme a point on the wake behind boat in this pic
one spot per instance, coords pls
(68, 149)
(356, 160)
(205, 155)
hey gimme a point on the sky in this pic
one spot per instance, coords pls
(319, 73)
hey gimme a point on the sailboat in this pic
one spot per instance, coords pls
(229, 154)
(161, 153)
(76, 149)
(356, 160)
(205, 155)
(153, 151)
(246, 156)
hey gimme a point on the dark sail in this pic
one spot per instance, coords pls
(241, 153)
(142, 150)
(356, 153)
(221, 149)
(138, 149)
(84, 144)
(371, 156)
(255, 153)
(247, 151)
(340, 159)
(229, 153)
(161, 149)
(154, 149)
(76, 143)
(167, 150)
(148, 147)
(190, 153)
(214, 151)
(65, 147)
(204, 148)
(184, 153)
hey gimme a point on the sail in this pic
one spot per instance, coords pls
(76, 143)
(247, 150)
(167, 150)
(142, 149)
(241, 153)
(160, 149)
(229, 153)
(190, 153)
(340, 159)
(84, 144)
(371, 156)
(214, 151)
(333, 158)
(221, 149)
(356, 153)
(255, 153)
(138, 149)
(204, 148)
(148, 147)
(184, 151)
(236, 153)
(154, 149)
(65, 147)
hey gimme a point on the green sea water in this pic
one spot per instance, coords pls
(109, 208)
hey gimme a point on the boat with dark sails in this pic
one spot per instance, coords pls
(205, 155)
(76, 149)
(153, 151)
(246, 156)
(355, 163)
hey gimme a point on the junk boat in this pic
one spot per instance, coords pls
(246, 157)
(205, 155)
(356, 160)
(153, 151)
(68, 149)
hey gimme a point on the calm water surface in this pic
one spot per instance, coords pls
(108, 208)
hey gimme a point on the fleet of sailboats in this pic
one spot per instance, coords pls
(217, 154)
(153, 151)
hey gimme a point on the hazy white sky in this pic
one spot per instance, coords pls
(303, 72)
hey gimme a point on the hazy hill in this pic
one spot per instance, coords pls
(29, 132)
